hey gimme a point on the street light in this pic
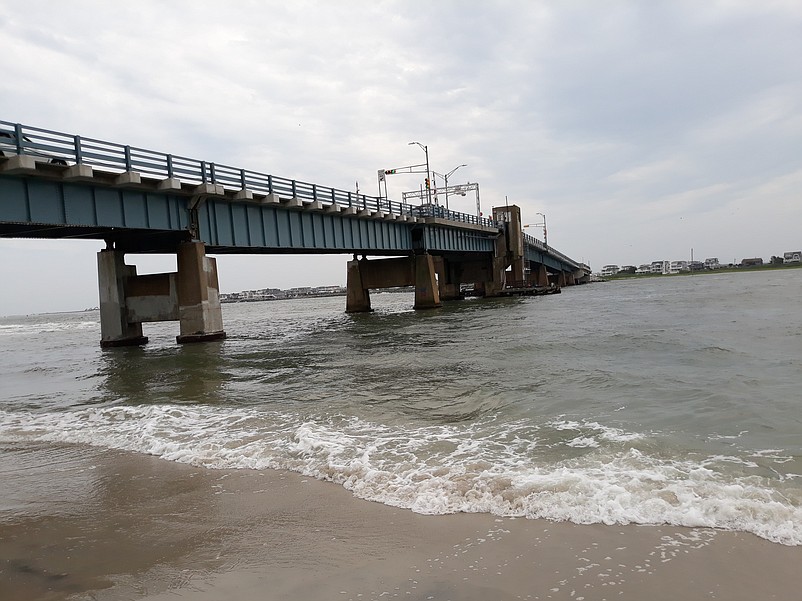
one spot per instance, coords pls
(445, 179)
(428, 175)
(545, 239)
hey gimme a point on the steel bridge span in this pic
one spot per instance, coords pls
(56, 185)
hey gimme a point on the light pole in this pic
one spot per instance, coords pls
(545, 239)
(445, 179)
(428, 175)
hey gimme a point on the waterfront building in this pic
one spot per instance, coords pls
(795, 256)
(712, 263)
(677, 266)
(608, 270)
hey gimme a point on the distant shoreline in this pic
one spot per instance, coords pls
(637, 276)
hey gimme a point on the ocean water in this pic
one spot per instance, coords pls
(662, 401)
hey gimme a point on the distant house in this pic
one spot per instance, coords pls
(795, 256)
(645, 268)
(696, 266)
(660, 267)
(751, 262)
(609, 270)
(677, 266)
(712, 263)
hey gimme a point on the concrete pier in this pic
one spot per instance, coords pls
(190, 296)
(427, 291)
(199, 310)
(418, 271)
(357, 298)
(116, 328)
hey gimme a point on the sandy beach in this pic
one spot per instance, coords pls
(108, 525)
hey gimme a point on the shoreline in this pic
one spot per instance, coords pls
(111, 525)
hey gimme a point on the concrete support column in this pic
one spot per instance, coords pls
(357, 299)
(517, 270)
(427, 293)
(541, 276)
(568, 276)
(199, 308)
(446, 286)
(561, 279)
(115, 329)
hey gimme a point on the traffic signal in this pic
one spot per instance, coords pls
(427, 183)
(389, 171)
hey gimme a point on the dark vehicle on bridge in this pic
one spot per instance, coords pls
(8, 147)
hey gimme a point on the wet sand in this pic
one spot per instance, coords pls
(84, 523)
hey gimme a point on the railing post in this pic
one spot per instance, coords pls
(203, 171)
(294, 193)
(350, 200)
(78, 154)
(212, 173)
(169, 165)
(333, 198)
(18, 133)
(269, 184)
(128, 165)
(314, 191)
(242, 178)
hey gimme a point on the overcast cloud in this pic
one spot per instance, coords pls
(641, 129)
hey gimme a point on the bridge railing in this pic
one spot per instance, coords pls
(532, 241)
(57, 147)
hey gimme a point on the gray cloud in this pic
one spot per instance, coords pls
(640, 129)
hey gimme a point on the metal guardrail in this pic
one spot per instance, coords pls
(531, 240)
(58, 147)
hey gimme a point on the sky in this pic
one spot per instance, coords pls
(641, 130)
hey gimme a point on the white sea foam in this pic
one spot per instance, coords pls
(447, 468)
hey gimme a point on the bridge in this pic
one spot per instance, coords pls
(57, 185)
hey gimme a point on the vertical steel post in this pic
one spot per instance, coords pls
(18, 134)
(78, 154)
